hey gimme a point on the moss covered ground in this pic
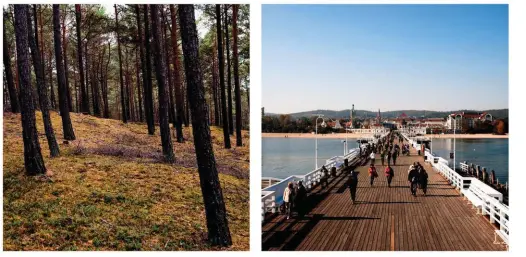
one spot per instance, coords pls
(110, 190)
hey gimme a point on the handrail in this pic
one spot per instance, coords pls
(492, 206)
(271, 201)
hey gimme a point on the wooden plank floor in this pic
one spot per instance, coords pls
(383, 219)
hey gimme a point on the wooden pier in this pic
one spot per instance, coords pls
(383, 219)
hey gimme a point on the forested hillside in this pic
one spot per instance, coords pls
(126, 128)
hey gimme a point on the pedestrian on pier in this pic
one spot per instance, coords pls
(288, 198)
(395, 155)
(353, 185)
(422, 179)
(372, 157)
(382, 156)
(324, 181)
(300, 199)
(412, 177)
(389, 157)
(389, 174)
(372, 174)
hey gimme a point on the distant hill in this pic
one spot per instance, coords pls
(497, 113)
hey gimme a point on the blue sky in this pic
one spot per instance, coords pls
(392, 57)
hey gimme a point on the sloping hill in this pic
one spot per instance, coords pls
(498, 113)
(110, 190)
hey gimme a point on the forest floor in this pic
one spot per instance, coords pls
(110, 190)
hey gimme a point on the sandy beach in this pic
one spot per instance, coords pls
(356, 135)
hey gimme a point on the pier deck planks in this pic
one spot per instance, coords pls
(441, 221)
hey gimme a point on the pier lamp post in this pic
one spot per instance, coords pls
(316, 141)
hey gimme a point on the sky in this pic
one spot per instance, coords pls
(388, 57)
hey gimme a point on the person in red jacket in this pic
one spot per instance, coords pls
(389, 174)
(372, 174)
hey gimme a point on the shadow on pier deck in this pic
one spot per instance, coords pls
(383, 219)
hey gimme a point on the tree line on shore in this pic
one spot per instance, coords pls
(285, 123)
(145, 64)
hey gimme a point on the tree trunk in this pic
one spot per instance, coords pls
(41, 88)
(229, 87)
(105, 92)
(148, 87)
(33, 161)
(123, 103)
(214, 84)
(67, 127)
(127, 99)
(171, 109)
(87, 72)
(177, 79)
(65, 53)
(216, 216)
(95, 88)
(160, 71)
(83, 93)
(224, 115)
(13, 95)
(236, 78)
(77, 105)
(51, 87)
(138, 72)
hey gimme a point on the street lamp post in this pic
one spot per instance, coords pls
(316, 144)
(455, 145)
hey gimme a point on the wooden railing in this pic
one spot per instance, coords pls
(272, 196)
(492, 200)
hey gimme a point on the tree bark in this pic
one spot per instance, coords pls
(83, 93)
(171, 109)
(123, 103)
(216, 215)
(229, 87)
(215, 84)
(138, 73)
(236, 77)
(51, 87)
(13, 94)
(41, 88)
(226, 134)
(160, 71)
(148, 87)
(177, 79)
(67, 127)
(105, 87)
(65, 54)
(33, 161)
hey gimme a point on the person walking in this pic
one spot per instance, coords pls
(422, 180)
(324, 181)
(395, 155)
(372, 174)
(288, 198)
(389, 174)
(300, 199)
(412, 177)
(382, 156)
(389, 155)
(372, 157)
(353, 185)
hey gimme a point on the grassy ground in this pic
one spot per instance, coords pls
(110, 190)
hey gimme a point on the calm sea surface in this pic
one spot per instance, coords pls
(283, 157)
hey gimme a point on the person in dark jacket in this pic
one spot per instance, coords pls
(389, 155)
(353, 185)
(300, 199)
(395, 155)
(324, 181)
(422, 179)
(372, 174)
(412, 177)
(389, 174)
